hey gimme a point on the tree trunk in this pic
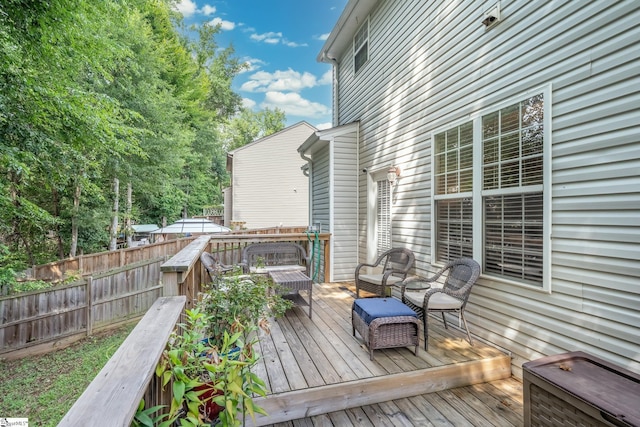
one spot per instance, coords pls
(56, 213)
(74, 220)
(128, 229)
(113, 242)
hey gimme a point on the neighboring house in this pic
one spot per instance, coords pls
(268, 186)
(517, 142)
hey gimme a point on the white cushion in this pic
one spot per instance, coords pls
(438, 301)
(377, 279)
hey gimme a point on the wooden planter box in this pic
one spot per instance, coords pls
(577, 389)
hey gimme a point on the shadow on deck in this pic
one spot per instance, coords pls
(317, 371)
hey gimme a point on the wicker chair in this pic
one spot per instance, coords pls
(213, 266)
(395, 265)
(451, 298)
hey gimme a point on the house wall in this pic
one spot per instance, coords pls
(344, 224)
(433, 64)
(269, 188)
(319, 202)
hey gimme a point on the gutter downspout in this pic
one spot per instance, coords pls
(334, 62)
(308, 172)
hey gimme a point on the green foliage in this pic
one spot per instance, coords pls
(182, 367)
(91, 91)
(214, 351)
(7, 271)
(239, 300)
(248, 126)
(144, 417)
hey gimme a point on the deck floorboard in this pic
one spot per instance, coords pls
(302, 353)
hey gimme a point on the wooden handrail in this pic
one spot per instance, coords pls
(113, 396)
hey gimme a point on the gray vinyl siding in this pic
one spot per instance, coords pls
(433, 64)
(345, 207)
(269, 189)
(334, 202)
(320, 206)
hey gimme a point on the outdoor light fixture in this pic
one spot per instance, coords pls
(491, 16)
(392, 174)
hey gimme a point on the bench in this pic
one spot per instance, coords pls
(266, 257)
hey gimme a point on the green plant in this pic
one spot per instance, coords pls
(182, 365)
(237, 302)
(230, 370)
(144, 417)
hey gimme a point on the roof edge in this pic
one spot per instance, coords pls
(350, 20)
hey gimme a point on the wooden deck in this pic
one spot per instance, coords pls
(318, 374)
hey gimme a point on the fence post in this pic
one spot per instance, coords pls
(89, 305)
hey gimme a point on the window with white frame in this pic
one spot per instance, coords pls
(509, 194)
(361, 46)
(383, 216)
(453, 161)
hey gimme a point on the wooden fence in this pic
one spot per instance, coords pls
(103, 261)
(60, 315)
(117, 286)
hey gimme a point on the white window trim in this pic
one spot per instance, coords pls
(478, 252)
(373, 176)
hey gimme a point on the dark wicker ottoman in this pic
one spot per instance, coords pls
(385, 323)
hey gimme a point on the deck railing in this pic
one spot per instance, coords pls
(114, 395)
(183, 274)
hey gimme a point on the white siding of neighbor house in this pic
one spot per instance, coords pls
(269, 189)
(433, 64)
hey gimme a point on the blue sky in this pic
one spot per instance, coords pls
(280, 40)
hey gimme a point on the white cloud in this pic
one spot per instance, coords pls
(186, 7)
(326, 125)
(322, 36)
(248, 103)
(327, 78)
(269, 37)
(293, 104)
(275, 38)
(224, 25)
(293, 44)
(208, 10)
(288, 80)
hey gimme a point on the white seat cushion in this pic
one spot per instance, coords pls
(377, 279)
(438, 301)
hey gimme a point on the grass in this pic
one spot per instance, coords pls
(43, 388)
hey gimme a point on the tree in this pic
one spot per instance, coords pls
(94, 92)
(248, 126)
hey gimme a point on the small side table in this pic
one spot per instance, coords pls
(413, 290)
(295, 281)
